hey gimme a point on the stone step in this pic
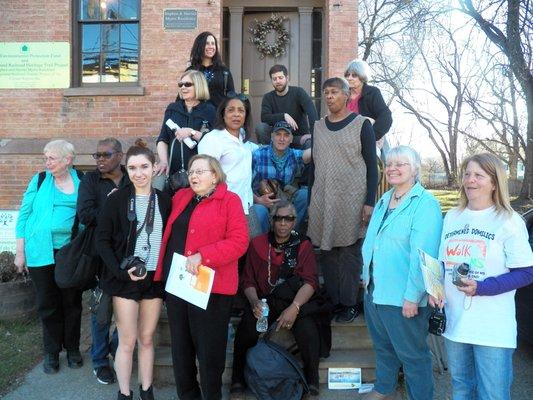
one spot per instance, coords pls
(344, 336)
(360, 358)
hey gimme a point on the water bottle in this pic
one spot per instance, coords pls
(262, 323)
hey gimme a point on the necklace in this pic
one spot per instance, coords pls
(398, 197)
(269, 264)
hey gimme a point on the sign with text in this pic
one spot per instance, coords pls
(8, 221)
(34, 65)
(180, 19)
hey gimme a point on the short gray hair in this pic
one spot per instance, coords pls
(361, 69)
(338, 82)
(410, 154)
(61, 148)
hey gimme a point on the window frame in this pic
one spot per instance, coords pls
(77, 86)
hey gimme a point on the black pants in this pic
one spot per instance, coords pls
(58, 309)
(305, 332)
(202, 334)
(341, 268)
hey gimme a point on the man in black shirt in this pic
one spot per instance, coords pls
(94, 188)
(289, 103)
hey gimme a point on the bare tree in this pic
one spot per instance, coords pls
(509, 25)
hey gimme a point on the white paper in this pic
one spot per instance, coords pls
(366, 388)
(433, 274)
(195, 289)
(344, 378)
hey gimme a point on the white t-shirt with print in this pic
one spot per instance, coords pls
(490, 244)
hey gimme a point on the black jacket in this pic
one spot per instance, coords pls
(177, 112)
(93, 193)
(112, 236)
(371, 104)
(219, 86)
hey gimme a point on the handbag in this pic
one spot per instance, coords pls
(75, 262)
(179, 179)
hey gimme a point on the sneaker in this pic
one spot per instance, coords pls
(51, 363)
(347, 315)
(104, 375)
(74, 359)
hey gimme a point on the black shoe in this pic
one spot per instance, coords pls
(51, 363)
(146, 394)
(104, 375)
(74, 359)
(347, 315)
(121, 396)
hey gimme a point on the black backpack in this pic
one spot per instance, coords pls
(272, 373)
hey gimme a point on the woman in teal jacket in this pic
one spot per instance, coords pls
(44, 225)
(405, 219)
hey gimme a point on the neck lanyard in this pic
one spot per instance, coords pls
(148, 219)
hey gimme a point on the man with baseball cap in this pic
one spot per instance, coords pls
(274, 169)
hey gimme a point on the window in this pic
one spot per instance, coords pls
(106, 42)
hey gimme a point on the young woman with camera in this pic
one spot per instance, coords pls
(484, 239)
(128, 237)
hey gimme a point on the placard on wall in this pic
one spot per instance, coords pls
(34, 65)
(180, 19)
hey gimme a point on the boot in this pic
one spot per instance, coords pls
(121, 396)
(51, 363)
(147, 394)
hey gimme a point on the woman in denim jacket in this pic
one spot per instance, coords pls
(405, 219)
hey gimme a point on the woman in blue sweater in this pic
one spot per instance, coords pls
(44, 225)
(405, 219)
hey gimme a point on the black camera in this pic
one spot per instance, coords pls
(460, 272)
(134, 262)
(437, 322)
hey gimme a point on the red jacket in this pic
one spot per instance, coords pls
(217, 230)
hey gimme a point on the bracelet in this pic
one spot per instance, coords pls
(296, 305)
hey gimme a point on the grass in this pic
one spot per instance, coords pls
(20, 350)
(447, 198)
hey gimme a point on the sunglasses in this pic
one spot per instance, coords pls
(105, 154)
(286, 218)
(186, 84)
(234, 95)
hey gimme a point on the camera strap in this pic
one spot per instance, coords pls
(149, 218)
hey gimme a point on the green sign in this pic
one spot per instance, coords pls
(43, 65)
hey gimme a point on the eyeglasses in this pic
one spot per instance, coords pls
(351, 74)
(198, 171)
(104, 154)
(234, 95)
(396, 164)
(50, 159)
(186, 84)
(286, 218)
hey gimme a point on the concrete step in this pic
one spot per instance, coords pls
(344, 336)
(360, 358)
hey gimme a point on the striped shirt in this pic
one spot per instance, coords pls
(149, 254)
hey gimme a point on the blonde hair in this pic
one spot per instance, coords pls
(201, 89)
(493, 166)
(213, 164)
(62, 149)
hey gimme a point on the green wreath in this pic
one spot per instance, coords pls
(262, 29)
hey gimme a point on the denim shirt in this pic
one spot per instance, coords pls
(392, 248)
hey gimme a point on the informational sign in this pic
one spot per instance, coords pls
(180, 19)
(34, 65)
(8, 221)
(344, 378)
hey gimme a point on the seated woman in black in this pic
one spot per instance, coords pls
(277, 262)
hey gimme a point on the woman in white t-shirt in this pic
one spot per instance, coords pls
(486, 234)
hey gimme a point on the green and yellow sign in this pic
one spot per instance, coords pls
(34, 65)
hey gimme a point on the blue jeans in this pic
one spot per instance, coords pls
(101, 346)
(400, 341)
(480, 372)
(300, 204)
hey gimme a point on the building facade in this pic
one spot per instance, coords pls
(122, 60)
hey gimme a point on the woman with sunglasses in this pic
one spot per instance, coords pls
(206, 225)
(279, 262)
(128, 233)
(366, 99)
(229, 144)
(194, 115)
(205, 57)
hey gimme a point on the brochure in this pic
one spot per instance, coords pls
(433, 274)
(195, 289)
(344, 378)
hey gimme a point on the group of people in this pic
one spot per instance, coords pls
(243, 212)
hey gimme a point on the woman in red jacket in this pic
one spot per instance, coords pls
(208, 226)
